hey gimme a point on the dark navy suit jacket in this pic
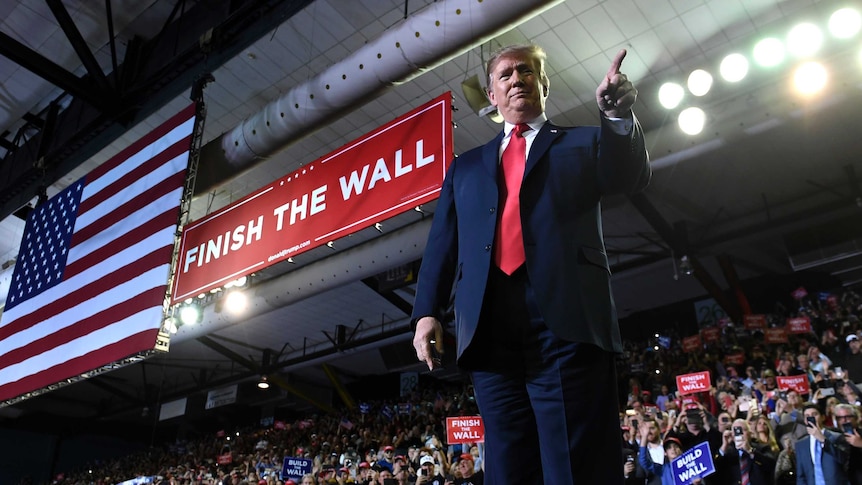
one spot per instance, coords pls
(568, 171)
(832, 460)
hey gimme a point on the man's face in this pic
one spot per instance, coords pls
(843, 416)
(516, 89)
(812, 413)
(793, 399)
(466, 468)
(740, 440)
(724, 422)
(802, 360)
(855, 345)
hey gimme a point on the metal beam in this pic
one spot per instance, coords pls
(113, 390)
(257, 369)
(39, 65)
(390, 296)
(81, 48)
(672, 237)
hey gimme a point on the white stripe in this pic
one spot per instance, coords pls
(139, 322)
(131, 222)
(83, 310)
(95, 272)
(142, 156)
(130, 191)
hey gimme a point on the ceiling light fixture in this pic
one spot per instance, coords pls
(670, 95)
(264, 383)
(699, 82)
(734, 67)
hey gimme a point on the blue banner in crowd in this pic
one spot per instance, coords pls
(295, 468)
(364, 407)
(694, 463)
(664, 341)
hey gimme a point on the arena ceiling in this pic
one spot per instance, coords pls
(768, 188)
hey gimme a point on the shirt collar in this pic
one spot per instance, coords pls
(535, 124)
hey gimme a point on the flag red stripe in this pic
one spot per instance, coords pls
(111, 353)
(138, 234)
(102, 319)
(135, 174)
(155, 258)
(138, 202)
(148, 139)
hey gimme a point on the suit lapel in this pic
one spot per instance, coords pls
(544, 138)
(491, 155)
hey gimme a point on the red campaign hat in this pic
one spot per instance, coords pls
(289, 482)
(388, 448)
(668, 441)
(400, 457)
(466, 456)
(364, 464)
(344, 469)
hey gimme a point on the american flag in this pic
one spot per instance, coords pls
(92, 271)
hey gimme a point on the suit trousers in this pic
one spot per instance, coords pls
(549, 405)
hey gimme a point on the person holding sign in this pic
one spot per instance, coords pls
(518, 226)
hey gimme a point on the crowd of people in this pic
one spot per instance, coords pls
(752, 425)
(759, 428)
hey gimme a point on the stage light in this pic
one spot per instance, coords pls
(691, 120)
(804, 40)
(810, 78)
(378, 226)
(769, 52)
(699, 82)
(235, 302)
(685, 266)
(670, 95)
(331, 245)
(170, 325)
(190, 314)
(734, 67)
(263, 384)
(845, 23)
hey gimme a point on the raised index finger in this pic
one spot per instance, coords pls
(617, 62)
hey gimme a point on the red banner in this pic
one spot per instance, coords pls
(775, 335)
(691, 344)
(737, 358)
(225, 459)
(389, 171)
(465, 429)
(799, 325)
(754, 322)
(711, 335)
(797, 383)
(692, 383)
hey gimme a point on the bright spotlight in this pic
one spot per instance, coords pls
(691, 120)
(845, 23)
(670, 95)
(235, 302)
(810, 78)
(769, 52)
(804, 40)
(734, 67)
(170, 325)
(699, 82)
(190, 314)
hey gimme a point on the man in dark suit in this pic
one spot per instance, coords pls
(739, 461)
(819, 461)
(534, 317)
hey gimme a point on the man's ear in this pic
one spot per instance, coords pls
(545, 90)
(491, 97)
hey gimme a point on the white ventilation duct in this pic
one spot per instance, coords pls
(436, 34)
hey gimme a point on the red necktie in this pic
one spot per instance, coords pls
(744, 466)
(509, 240)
